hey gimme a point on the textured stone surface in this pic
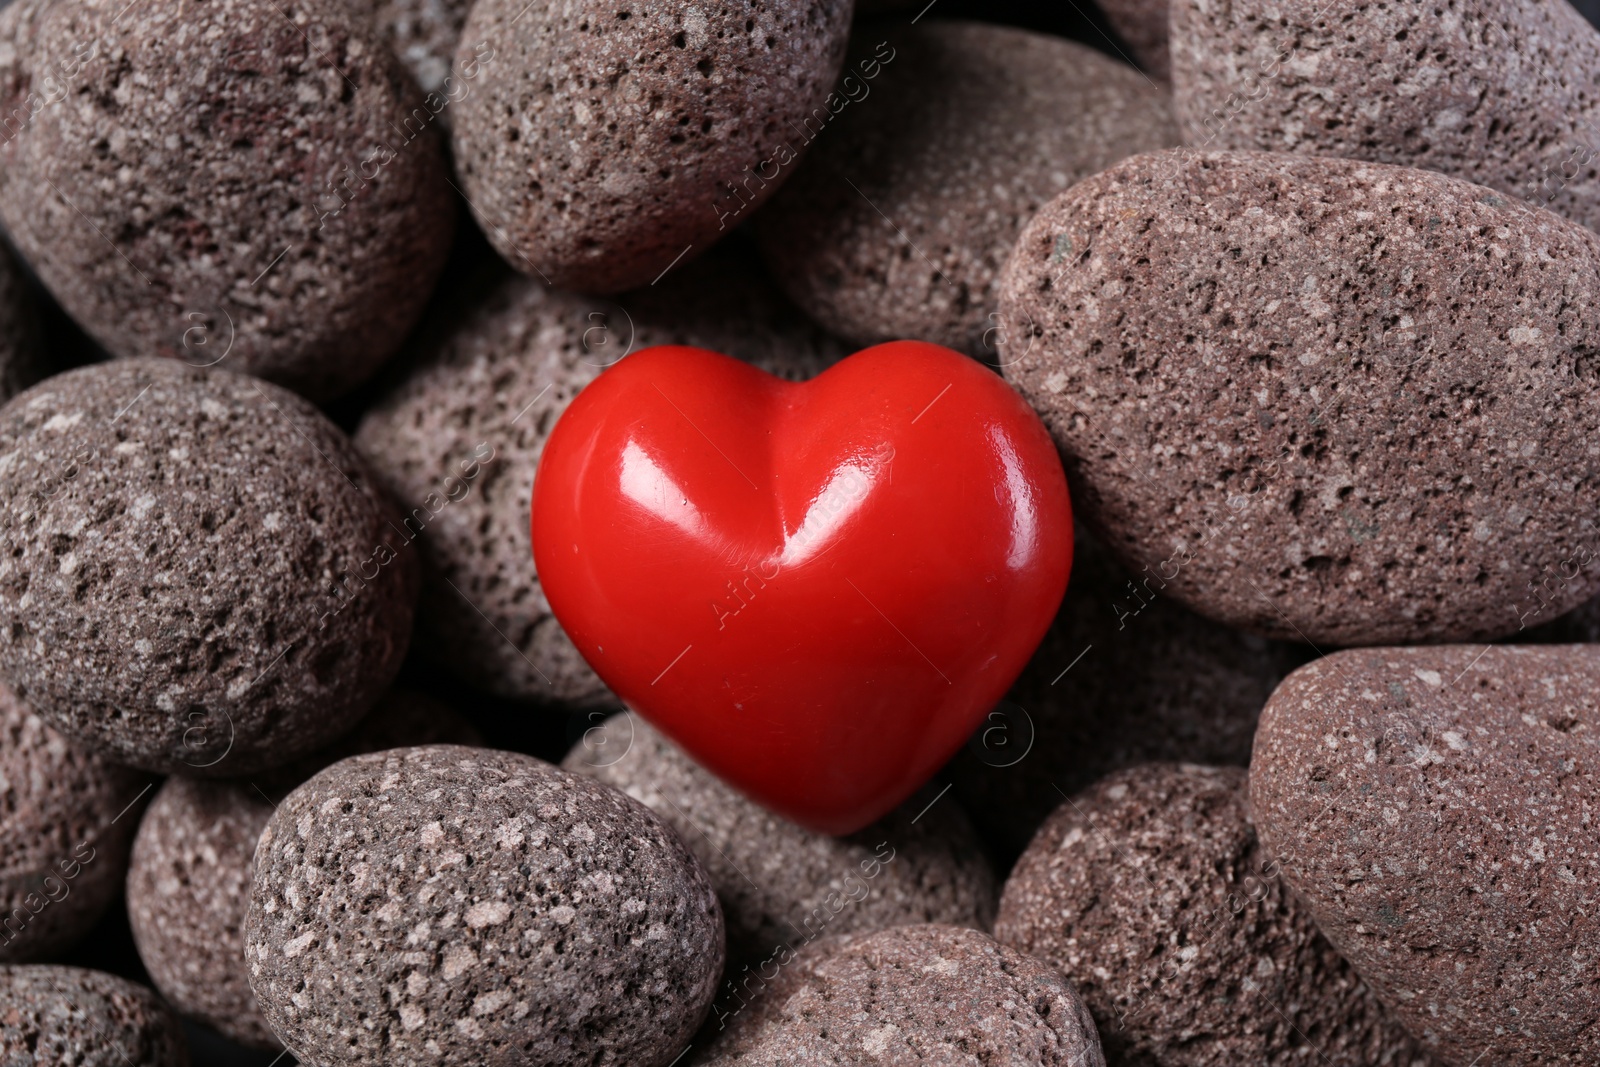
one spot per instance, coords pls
(1143, 24)
(597, 145)
(782, 885)
(1320, 398)
(1505, 93)
(1150, 893)
(899, 222)
(458, 440)
(1124, 676)
(66, 817)
(69, 1015)
(462, 906)
(169, 563)
(1435, 809)
(194, 857)
(912, 994)
(21, 360)
(423, 35)
(241, 179)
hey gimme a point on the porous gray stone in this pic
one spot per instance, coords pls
(1124, 676)
(240, 180)
(70, 1015)
(1149, 892)
(457, 442)
(1322, 399)
(596, 145)
(21, 357)
(900, 220)
(1504, 93)
(194, 575)
(911, 994)
(463, 906)
(194, 858)
(781, 885)
(66, 817)
(1434, 808)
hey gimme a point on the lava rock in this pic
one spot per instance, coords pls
(21, 357)
(194, 858)
(898, 224)
(458, 440)
(1143, 25)
(66, 817)
(911, 994)
(69, 1015)
(781, 885)
(1499, 93)
(184, 569)
(1434, 808)
(1124, 676)
(1321, 399)
(463, 906)
(600, 142)
(1149, 892)
(245, 180)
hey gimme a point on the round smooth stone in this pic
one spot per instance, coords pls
(459, 905)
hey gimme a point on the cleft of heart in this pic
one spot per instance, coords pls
(818, 589)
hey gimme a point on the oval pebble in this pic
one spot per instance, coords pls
(266, 196)
(1124, 676)
(1321, 399)
(1501, 94)
(69, 1015)
(66, 817)
(1150, 893)
(601, 143)
(782, 885)
(194, 857)
(898, 224)
(168, 563)
(1434, 808)
(457, 442)
(912, 994)
(460, 906)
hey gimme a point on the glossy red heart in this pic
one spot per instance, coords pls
(819, 589)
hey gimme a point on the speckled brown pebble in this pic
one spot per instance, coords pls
(1500, 92)
(913, 994)
(597, 145)
(1435, 809)
(1150, 893)
(1322, 399)
(194, 857)
(21, 358)
(458, 441)
(240, 179)
(1143, 25)
(68, 1015)
(168, 568)
(66, 817)
(450, 905)
(780, 884)
(956, 133)
(1124, 676)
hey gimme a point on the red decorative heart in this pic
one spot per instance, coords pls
(818, 589)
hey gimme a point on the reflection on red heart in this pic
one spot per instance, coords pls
(820, 589)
